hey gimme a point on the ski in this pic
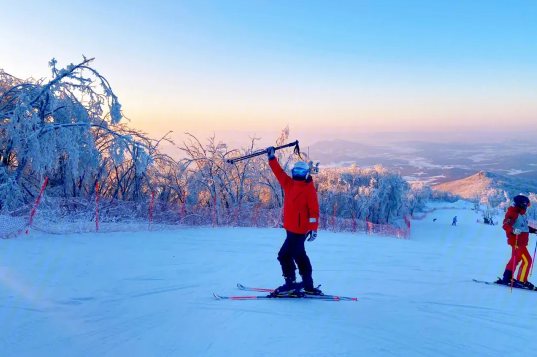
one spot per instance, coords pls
(242, 287)
(508, 286)
(246, 288)
(271, 297)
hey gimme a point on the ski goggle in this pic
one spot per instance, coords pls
(300, 172)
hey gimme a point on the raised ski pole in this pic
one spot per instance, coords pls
(257, 153)
(533, 261)
(514, 262)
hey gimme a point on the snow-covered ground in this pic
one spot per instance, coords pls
(150, 294)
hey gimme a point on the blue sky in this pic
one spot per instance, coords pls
(257, 65)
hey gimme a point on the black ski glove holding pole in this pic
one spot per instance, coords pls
(271, 153)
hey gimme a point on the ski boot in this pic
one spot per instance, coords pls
(528, 285)
(506, 279)
(287, 289)
(309, 289)
(517, 284)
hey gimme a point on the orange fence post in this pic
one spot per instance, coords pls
(37, 203)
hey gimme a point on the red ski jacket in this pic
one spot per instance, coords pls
(300, 206)
(516, 218)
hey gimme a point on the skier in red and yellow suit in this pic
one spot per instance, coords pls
(300, 220)
(517, 230)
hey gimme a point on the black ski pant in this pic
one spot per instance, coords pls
(293, 251)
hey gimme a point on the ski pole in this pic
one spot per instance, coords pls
(533, 261)
(514, 260)
(257, 153)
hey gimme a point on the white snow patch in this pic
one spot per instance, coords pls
(150, 294)
(512, 172)
(410, 178)
(427, 180)
(421, 163)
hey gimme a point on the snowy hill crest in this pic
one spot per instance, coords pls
(472, 186)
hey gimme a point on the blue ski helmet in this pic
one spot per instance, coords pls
(300, 171)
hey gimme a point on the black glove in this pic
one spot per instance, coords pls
(271, 153)
(311, 235)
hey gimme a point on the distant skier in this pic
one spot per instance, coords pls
(517, 230)
(454, 221)
(301, 221)
(434, 220)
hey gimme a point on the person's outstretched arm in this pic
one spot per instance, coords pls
(280, 174)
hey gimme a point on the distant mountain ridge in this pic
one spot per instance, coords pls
(434, 163)
(470, 186)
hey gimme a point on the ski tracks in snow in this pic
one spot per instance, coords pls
(149, 294)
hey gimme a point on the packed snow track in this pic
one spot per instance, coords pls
(151, 294)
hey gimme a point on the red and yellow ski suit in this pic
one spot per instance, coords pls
(516, 218)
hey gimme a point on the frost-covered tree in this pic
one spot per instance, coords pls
(65, 128)
(374, 193)
(210, 178)
(492, 198)
(532, 210)
(418, 196)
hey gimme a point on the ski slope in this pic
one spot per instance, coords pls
(150, 294)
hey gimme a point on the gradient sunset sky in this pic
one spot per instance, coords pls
(374, 65)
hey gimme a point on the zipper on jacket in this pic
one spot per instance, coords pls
(299, 219)
(297, 196)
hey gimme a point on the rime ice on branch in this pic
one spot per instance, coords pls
(70, 129)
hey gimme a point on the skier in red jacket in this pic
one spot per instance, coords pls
(517, 230)
(301, 221)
